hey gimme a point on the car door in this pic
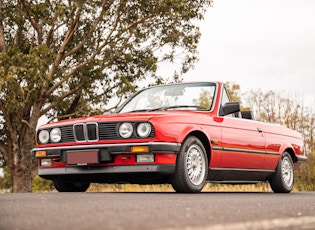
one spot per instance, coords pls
(243, 144)
(243, 141)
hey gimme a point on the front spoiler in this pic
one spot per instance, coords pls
(135, 174)
(163, 169)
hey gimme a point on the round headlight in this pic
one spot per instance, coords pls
(55, 135)
(144, 129)
(43, 136)
(125, 130)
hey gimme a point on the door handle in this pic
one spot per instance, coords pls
(259, 130)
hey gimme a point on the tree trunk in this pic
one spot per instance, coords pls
(22, 165)
(22, 178)
(20, 142)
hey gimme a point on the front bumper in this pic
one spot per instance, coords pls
(110, 148)
(117, 163)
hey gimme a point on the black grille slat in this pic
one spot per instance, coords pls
(92, 132)
(79, 132)
(108, 131)
(67, 134)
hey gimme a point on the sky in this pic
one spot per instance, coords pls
(259, 44)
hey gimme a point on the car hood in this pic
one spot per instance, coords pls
(120, 117)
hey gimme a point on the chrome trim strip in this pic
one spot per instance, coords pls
(240, 182)
(242, 169)
(273, 153)
(74, 132)
(217, 148)
(96, 131)
(85, 132)
(249, 151)
(244, 150)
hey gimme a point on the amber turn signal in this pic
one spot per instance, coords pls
(139, 149)
(40, 154)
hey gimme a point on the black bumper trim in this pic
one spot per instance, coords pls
(112, 148)
(300, 159)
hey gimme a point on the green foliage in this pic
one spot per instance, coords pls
(91, 50)
(5, 181)
(41, 185)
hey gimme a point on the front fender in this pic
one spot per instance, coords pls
(296, 150)
(176, 132)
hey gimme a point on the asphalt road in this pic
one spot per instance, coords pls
(157, 211)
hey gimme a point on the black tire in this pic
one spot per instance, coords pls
(67, 186)
(283, 179)
(191, 167)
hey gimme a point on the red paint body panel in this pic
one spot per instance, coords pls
(242, 135)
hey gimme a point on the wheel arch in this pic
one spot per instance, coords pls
(204, 140)
(291, 153)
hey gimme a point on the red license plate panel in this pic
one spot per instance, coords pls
(82, 157)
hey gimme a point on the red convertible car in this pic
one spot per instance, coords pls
(184, 134)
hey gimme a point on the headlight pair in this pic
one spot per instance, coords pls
(54, 135)
(126, 129)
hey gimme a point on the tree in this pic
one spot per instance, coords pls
(58, 58)
(234, 91)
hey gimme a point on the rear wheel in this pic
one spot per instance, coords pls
(283, 180)
(191, 167)
(67, 186)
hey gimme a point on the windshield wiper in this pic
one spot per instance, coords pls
(139, 110)
(177, 106)
(168, 107)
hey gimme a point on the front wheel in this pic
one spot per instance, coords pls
(283, 180)
(68, 186)
(191, 167)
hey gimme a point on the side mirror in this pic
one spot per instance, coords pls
(230, 107)
(247, 115)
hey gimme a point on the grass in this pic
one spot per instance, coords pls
(262, 187)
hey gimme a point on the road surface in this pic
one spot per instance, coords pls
(157, 211)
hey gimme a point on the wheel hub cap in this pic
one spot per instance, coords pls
(195, 164)
(287, 172)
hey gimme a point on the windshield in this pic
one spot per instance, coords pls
(192, 96)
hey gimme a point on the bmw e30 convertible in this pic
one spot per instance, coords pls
(185, 134)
